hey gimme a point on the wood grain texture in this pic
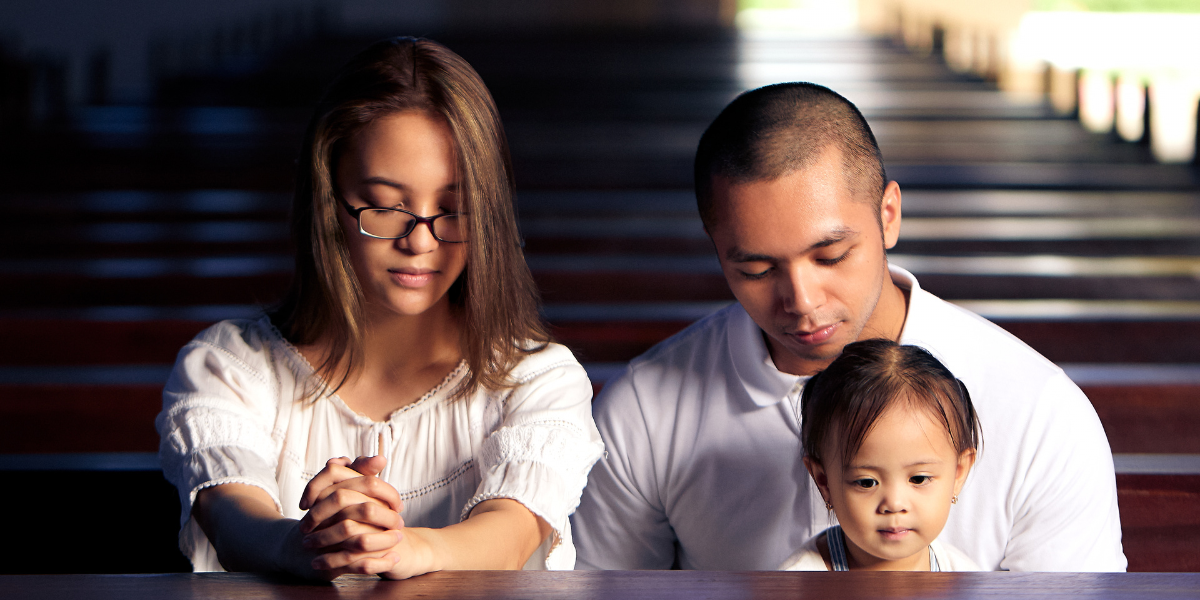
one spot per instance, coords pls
(632, 585)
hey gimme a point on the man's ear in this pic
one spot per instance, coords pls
(966, 460)
(817, 472)
(889, 214)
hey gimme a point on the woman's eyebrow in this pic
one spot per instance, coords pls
(377, 180)
(385, 181)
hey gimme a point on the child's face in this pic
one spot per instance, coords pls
(893, 498)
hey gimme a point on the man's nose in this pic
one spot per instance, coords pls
(800, 292)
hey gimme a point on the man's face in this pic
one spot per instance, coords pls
(806, 260)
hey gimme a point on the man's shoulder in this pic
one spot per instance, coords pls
(965, 340)
(704, 337)
(672, 370)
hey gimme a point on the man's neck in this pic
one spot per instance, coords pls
(891, 312)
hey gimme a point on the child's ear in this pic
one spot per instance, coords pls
(966, 460)
(817, 472)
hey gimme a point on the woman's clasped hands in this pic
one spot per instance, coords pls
(353, 520)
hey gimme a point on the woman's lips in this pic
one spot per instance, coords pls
(412, 278)
(818, 336)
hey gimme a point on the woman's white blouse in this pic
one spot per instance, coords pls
(235, 411)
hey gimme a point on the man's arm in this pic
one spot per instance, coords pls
(1066, 518)
(621, 522)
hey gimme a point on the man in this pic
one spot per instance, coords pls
(704, 468)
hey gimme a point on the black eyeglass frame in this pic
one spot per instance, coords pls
(417, 221)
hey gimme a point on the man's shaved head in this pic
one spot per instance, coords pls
(772, 131)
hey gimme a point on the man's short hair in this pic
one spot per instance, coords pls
(775, 130)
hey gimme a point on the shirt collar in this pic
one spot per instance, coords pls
(766, 385)
(916, 300)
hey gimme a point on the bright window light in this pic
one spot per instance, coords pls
(809, 17)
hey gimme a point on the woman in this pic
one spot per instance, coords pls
(409, 339)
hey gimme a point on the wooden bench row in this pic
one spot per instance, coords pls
(81, 341)
(50, 418)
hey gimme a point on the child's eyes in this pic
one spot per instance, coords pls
(864, 483)
(754, 276)
(919, 479)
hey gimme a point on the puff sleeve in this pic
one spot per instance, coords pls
(219, 408)
(544, 448)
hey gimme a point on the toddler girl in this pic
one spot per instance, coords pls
(889, 435)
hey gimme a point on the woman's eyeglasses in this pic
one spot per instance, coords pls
(395, 223)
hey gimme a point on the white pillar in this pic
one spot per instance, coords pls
(1173, 105)
(1096, 101)
(1131, 108)
(958, 47)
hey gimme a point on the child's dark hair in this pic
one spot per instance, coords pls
(869, 377)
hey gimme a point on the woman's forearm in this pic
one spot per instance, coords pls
(248, 533)
(499, 534)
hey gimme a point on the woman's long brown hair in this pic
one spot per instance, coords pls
(495, 297)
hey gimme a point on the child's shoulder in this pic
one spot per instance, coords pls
(807, 558)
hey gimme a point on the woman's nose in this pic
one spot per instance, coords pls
(420, 240)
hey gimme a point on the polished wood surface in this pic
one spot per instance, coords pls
(605, 585)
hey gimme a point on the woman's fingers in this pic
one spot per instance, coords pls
(360, 543)
(362, 490)
(367, 513)
(372, 487)
(341, 562)
(373, 566)
(331, 505)
(343, 531)
(336, 470)
(369, 465)
(339, 471)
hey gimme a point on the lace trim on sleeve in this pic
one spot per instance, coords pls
(560, 445)
(199, 423)
(563, 455)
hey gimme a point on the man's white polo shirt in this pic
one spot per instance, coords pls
(704, 470)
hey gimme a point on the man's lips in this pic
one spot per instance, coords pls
(817, 336)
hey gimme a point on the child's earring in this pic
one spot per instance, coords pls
(954, 499)
(828, 506)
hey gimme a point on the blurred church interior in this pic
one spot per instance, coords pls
(1046, 150)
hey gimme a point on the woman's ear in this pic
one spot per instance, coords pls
(966, 460)
(817, 472)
